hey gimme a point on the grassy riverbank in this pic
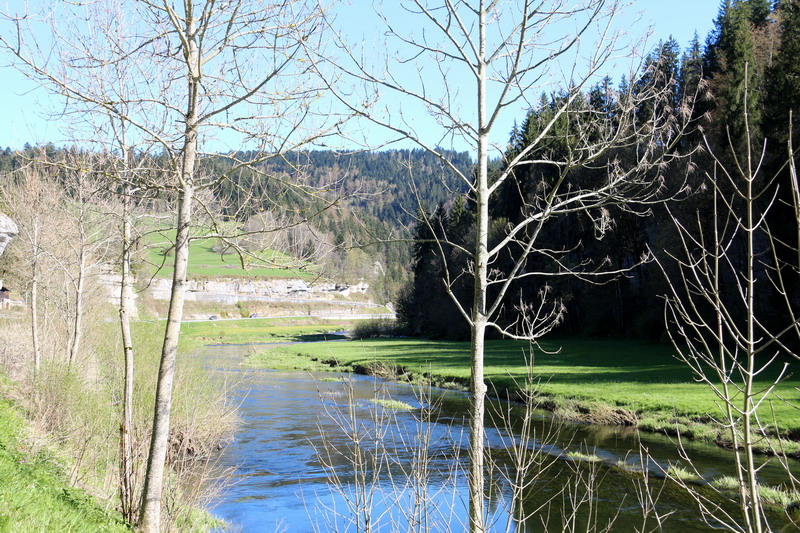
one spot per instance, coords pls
(606, 381)
(260, 330)
(34, 492)
(62, 429)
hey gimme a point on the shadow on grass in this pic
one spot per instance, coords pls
(318, 337)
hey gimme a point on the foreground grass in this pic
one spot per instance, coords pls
(590, 380)
(34, 493)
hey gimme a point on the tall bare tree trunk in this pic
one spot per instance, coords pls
(37, 350)
(150, 518)
(126, 491)
(479, 308)
(749, 400)
(722, 370)
(514, 48)
(77, 320)
(736, 256)
(127, 76)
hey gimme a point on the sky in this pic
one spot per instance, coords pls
(21, 101)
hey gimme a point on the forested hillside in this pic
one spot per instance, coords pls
(364, 211)
(351, 213)
(753, 53)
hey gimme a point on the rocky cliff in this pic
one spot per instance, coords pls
(232, 291)
(7, 231)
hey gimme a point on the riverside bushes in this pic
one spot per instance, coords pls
(77, 409)
(372, 329)
(35, 494)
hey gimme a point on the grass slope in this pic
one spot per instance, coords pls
(585, 376)
(205, 263)
(34, 493)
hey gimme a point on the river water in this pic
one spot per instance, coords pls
(294, 470)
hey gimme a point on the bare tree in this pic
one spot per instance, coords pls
(726, 266)
(34, 201)
(198, 70)
(126, 486)
(508, 51)
(87, 246)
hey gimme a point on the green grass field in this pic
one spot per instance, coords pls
(585, 374)
(34, 493)
(257, 330)
(205, 263)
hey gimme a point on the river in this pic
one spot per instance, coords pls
(293, 468)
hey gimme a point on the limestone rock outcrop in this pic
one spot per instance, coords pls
(8, 230)
(235, 290)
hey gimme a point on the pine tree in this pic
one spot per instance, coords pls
(692, 91)
(784, 78)
(711, 58)
(601, 96)
(736, 69)
(691, 71)
(760, 11)
(662, 69)
(782, 102)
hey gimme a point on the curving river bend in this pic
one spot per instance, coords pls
(292, 443)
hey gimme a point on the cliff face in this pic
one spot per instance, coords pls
(277, 290)
(7, 231)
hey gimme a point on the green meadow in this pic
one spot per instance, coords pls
(204, 262)
(583, 379)
(258, 330)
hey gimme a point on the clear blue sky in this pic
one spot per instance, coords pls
(20, 100)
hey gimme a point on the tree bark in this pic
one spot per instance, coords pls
(749, 399)
(479, 318)
(37, 350)
(126, 491)
(77, 320)
(150, 517)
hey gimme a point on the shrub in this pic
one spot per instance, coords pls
(370, 329)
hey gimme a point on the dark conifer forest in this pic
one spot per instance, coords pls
(742, 87)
